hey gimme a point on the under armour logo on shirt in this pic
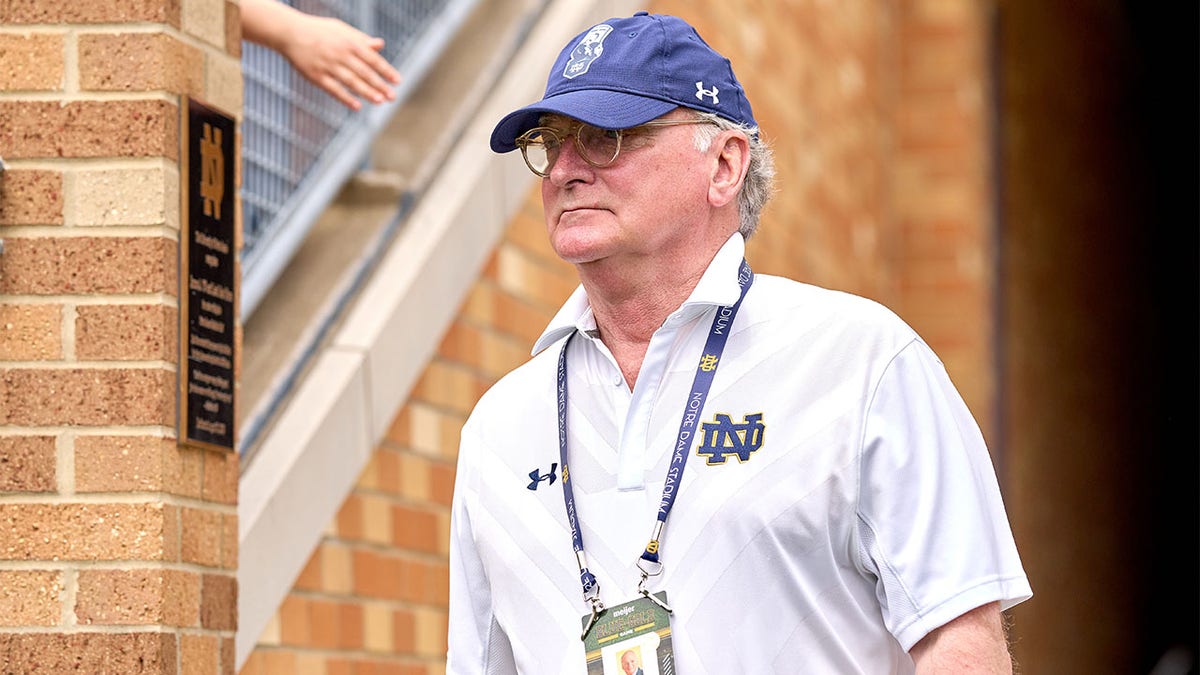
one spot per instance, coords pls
(535, 478)
(701, 92)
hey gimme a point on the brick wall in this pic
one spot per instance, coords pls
(831, 84)
(117, 547)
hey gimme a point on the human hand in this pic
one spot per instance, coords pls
(340, 59)
(328, 52)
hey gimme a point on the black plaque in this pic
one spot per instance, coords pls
(208, 278)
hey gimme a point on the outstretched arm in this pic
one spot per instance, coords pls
(972, 643)
(330, 53)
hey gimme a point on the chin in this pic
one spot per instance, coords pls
(578, 250)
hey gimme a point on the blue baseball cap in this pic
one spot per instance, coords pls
(628, 71)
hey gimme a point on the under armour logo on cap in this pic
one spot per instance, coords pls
(701, 92)
(627, 71)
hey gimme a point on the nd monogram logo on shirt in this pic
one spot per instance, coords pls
(723, 437)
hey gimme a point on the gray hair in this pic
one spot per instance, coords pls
(760, 178)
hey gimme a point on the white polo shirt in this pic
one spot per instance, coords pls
(865, 513)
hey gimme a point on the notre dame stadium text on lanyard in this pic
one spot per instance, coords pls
(649, 562)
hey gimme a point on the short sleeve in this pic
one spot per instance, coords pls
(476, 643)
(931, 523)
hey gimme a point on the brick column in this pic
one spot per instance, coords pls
(117, 546)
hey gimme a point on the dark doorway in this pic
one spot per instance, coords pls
(1097, 122)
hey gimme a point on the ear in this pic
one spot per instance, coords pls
(731, 162)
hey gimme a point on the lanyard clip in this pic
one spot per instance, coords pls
(597, 610)
(651, 569)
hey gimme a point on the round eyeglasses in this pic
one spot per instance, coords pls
(540, 146)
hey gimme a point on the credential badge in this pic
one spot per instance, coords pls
(589, 49)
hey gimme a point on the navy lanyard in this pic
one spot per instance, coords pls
(718, 335)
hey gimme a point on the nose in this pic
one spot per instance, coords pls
(569, 165)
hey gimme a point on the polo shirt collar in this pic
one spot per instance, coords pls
(717, 287)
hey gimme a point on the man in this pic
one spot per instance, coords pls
(839, 512)
(629, 664)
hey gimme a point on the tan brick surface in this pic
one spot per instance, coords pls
(31, 62)
(27, 464)
(229, 542)
(337, 572)
(223, 82)
(503, 312)
(138, 597)
(351, 631)
(377, 519)
(412, 578)
(30, 332)
(201, 536)
(31, 129)
(181, 595)
(233, 29)
(349, 518)
(82, 532)
(146, 196)
(228, 655)
(129, 464)
(279, 662)
(205, 19)
(172, 533)
(379, 636)
(427, 430)
(218, 602)
(143, 396)
(449, 386)
(294, 621)
(188, 481)
(442, 483)
(30, 598)
(90, 11)
(377, 575)
(415, 474)
(124, 653)
(484, 350)
(87, 265)
(463, 343)
(310, 576)
(324, 624)
(31, 197)
(126, 333)
(430, 632)
(527, 230)
(414, 529)
(220, 476)
(404, 631)
(256, 663)
(199, 654)
(140, 62)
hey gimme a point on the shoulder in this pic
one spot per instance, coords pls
(780, 296)
(527, 389)
(822, 319)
